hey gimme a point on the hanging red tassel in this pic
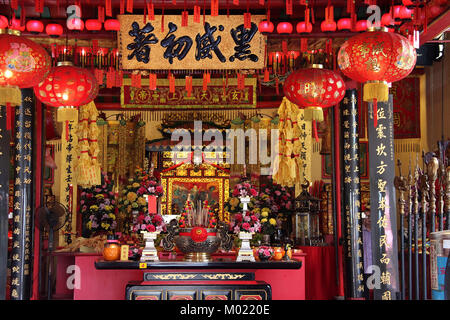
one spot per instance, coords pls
(307, 15)
(119, 78)
(197, 14)
(122, 6)
(204, 12)
(266, 75)
(171, 83)
(303, 44)
(162, 20)
(99, 75)
(151, 11)
(130, 6)
(261, 2)
(108, 9)
(316, 136)
(247, 20)
(214, 8)
(236, 2)
(39, 6)
(289, 7)
(205, 81)
(375, 113)
(152, 78)
(284, 47)
(14, 4)
(189, 85)
(110, 78)
(101, 14)
(184, 18)
(241, 81)
(136, 80)
(145, 12)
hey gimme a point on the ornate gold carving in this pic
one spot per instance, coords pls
(173, 276)
(223, 276)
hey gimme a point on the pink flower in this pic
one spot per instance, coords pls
(159, 189)
(151, 228)
(245, 226)
(254, 218)
(278, 193)
(266, 252)
(253, 192)
(252, 229)
(235, 193)
(238, 217)
(247, 218)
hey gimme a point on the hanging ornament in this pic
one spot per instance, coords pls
(313, 89)
(302, 27)
(3, 22)
(377, 58)
(344, 24)
(93, 25)
(67, 85)
(284, 28)
(361, 26)
(265, 27)
(54, 30)
(23, 64)
(112, 25)
(35, 26)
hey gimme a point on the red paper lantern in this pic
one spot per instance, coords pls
(313, 89)
(199, 234)
(15, 25)
(285, 28)
(3, 22)
(266, 27)
(67, 85)
(361, 25)
(405, 13)
(75, 24)
(328, 26)
(302, 27)
(35, 26)
(377, 58)
(93, 25)
(344, 24)
(112, 25)
(23, 63)
(386, 20)
(54, 30)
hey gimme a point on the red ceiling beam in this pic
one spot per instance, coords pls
(439, 25)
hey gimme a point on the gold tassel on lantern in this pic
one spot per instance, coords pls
(11, 96)
(376, 90)
(314, 113)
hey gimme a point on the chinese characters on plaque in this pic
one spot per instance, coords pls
(220, 43)
(352, 196)
(382, 200)
(22, 201)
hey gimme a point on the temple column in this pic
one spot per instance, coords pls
(351, 198)
(22, 201)
(383, 202)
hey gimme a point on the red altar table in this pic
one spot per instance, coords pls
(110, 284)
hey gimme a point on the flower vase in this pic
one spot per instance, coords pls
(245, 252)
(149, 253)
(245, 201)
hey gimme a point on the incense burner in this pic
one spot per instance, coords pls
(197, 243)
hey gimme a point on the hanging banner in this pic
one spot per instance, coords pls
(4, 199)
(21, 239)
(213, 97)
(219, 43)
(383, 202)
(352, 197)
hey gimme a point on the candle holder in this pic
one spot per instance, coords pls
(149, 253)
(245, 252)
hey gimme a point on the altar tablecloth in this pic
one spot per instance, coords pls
(320, 272)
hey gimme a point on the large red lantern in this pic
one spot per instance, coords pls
(67, 85)
(313, 89)
(112, 25)
(93, 25)
(284, 28)
(35, 26)
(377, 58)
(302, 27)
(54, 30)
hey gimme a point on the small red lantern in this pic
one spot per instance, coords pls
(405, 13)
(93, 25)
(376, 58)
(3, 22)
(266, 27)
(386, 20)
(15, 25)
(396, 11)
(344, 24)
(361, 25)
(54, 30)
(112, 25)
(35, 26)
(75, 24)
(67, 85)
(285, 28)
(302, 27)
(313, 89)
(328, 26)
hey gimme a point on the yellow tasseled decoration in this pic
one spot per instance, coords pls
(314, 113)
(11, 95)
(376, 90)
(84, 161)
(93, 145)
